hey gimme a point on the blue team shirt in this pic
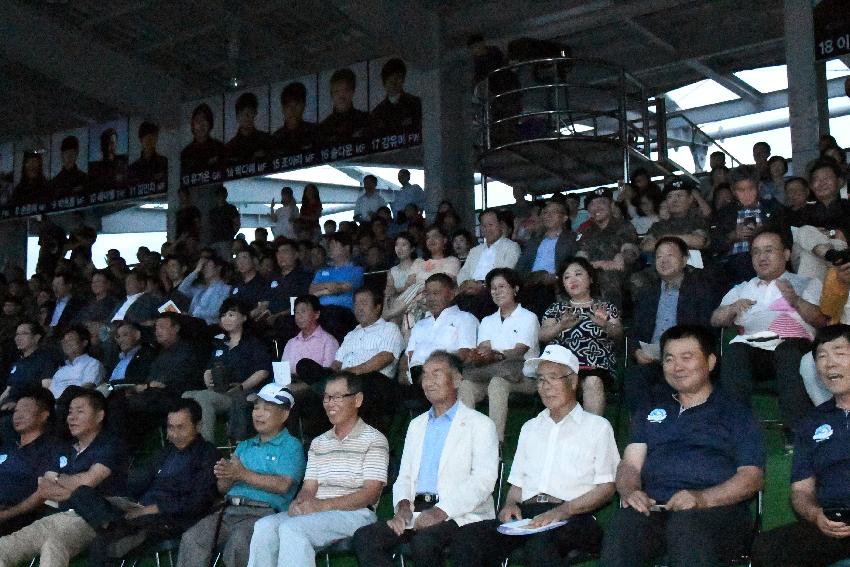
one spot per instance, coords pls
(822, 451)
(27, 372)
(20, 467)
(282, 455)
(108, 450)
(699, 448)
(338, 274)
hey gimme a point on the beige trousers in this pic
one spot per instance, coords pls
(57, 539)
(497, 392)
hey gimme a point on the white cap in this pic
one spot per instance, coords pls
(552, 353)
(274, 394)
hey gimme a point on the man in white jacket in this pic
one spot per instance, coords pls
(448, 471)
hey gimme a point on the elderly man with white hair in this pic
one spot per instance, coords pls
(563, 469)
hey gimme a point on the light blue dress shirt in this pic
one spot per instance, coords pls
(124, 359)
(432, 449)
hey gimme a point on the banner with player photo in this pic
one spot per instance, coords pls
(366, 108)
(84, 167)
(336, 115)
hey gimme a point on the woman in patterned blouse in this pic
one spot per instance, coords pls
(588, 327)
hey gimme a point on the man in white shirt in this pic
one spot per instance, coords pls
(80, 369)
(369, 201)
(563, 469)
(138, 306)
(775, 301)
(448, 468)
(497, 251)
(443, 328)
(371, 351)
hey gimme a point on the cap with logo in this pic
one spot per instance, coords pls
(678, 184)
(274, 394)
(597, 194)
(552, 353)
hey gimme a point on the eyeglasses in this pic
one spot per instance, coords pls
(337, 398)
(549, 380)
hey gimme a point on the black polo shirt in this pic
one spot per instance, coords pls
(698, 448)
(822, 451)
(20, 467)
(106, 449)
(251, 292)
(246, 358)
(28, 372)
(281, 288)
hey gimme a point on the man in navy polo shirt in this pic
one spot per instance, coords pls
(171, 491)
(22, 463)
(820, 473)
(251, 287)
(97, 459)
(694, 461)
(34, 365)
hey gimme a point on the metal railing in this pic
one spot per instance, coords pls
(561, 98)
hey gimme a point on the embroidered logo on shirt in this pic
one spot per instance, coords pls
(656, 416)
(218, 353)
(235, 291)
(822, 433)
(274, 284)
(12, 371)
(63, 462)
(3, 458)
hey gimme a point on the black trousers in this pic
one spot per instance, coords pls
(737, 370)
(800, 544)
(479, 544)
(119, 540)
(374, 544)
(692, 538)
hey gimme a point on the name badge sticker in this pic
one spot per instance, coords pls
(822, 433)
(657, 415)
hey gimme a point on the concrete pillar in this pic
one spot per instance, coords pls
(169, 146)
(447, 145)
(13, 252)
(807, 99)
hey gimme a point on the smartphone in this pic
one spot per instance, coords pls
(658, 508)
(837, 514)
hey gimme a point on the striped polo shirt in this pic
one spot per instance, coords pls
(341, 466)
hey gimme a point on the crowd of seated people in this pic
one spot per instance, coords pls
(389, 315)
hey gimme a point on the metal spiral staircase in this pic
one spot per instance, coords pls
(547, 124)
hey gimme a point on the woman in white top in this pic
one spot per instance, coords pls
(284, 218)
(401, 281)
(505, 339)
(436, 242)
(646, 213)
(410, 304)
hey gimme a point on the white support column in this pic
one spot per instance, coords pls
(807, 100)
(447, 145)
